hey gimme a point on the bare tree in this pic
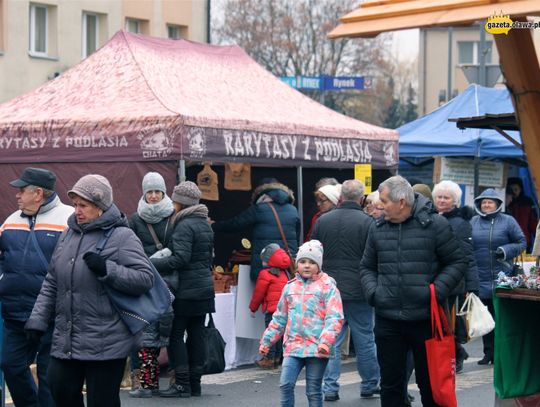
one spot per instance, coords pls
(289, 38)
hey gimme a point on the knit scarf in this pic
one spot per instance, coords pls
(200, 211)
(154, 213)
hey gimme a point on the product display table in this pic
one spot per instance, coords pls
(232, 318)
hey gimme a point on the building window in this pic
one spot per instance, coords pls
(468, 52)
(90, 34)
(173, 32)
(133, 26)
(38, 29)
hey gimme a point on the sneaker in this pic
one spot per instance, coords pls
(331, 397)
(370, 394)
(141, 393)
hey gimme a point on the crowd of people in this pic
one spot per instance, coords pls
(365, 269)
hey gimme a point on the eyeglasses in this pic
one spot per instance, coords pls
(321, 201)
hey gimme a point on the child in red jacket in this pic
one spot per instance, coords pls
(268, 287)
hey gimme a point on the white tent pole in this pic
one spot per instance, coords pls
(182, 170)
(299, 183)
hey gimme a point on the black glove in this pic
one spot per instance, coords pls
(34, 335)
(96, 263)
(499, 254)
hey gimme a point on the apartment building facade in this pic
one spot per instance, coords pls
(41, 39)
(435, 66)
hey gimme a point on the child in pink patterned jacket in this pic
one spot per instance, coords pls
(309, 316)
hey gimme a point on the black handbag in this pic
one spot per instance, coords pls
(137, 312)
(214, 346)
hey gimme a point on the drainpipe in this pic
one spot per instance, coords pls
(208, 22)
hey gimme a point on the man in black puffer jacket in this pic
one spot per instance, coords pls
(343, 233)
(405, 252)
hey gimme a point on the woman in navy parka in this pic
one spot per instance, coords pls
(497, 239)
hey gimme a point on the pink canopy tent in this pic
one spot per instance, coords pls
(142, 99)
(141, 104)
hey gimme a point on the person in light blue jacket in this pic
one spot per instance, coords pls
(497, 239)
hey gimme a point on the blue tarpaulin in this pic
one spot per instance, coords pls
(433, 135)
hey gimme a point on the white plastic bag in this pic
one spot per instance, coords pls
(477, 317)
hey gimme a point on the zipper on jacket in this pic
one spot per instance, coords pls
(302, 308)
(491, 255)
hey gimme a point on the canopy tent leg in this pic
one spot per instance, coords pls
(181, 170)
(519, 64)
(300, 200)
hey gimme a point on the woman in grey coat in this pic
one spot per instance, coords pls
(90, 341)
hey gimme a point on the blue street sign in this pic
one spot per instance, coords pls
(343, 82)
(328, 82)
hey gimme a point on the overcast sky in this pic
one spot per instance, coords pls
(405, 44)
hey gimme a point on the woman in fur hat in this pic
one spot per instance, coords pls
(261, 218)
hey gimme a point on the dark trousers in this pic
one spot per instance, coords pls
(276, 350)
(103, 379)
(394, 339)
(18, 353)
(190, 353)
(489, 339)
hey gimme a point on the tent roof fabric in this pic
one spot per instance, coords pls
(134, 82)
(374, 17)
(434, 135)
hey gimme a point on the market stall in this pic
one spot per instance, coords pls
(144, 100)
(516, 358)
(143, 104)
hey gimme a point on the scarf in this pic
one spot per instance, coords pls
(200, 211)
(154, 213)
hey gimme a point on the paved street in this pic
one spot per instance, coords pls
(250, 386)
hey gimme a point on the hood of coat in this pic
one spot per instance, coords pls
(112, 217)
(279, 259)
(279, 193)
(489, 193)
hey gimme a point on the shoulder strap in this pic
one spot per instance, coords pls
(279, 226)
(291, 271)
(158, 244)
(104, 239)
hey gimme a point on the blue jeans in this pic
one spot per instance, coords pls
(18, 353)
(360, 318)
(289, 374)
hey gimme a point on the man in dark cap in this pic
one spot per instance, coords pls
(27, 240)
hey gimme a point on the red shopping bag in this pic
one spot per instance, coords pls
(441, 357)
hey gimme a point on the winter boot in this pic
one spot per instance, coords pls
(135, 379)
(461, 356)
(265, 363)
(181, 386)
(195, 381)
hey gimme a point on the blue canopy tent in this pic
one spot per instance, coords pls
(433, 135)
